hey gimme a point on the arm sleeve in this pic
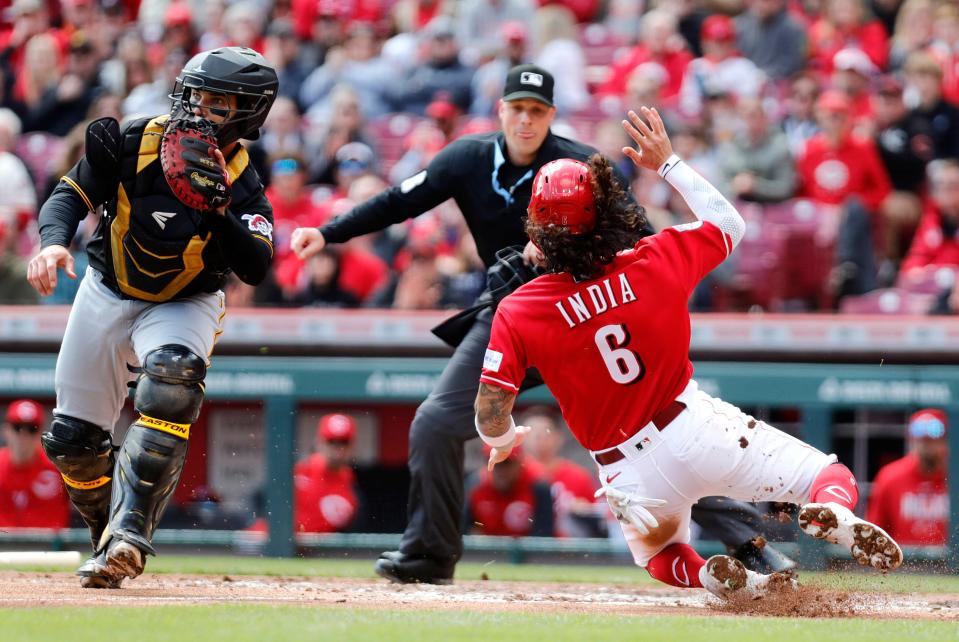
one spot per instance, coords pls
(90, 183)
(245, 234)
(705, 201)
(417, 194)
(504, 364)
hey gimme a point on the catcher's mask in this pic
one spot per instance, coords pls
(238, 71)
(563, 197)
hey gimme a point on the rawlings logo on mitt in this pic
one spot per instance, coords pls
(190, 166)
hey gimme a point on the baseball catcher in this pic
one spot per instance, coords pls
(609, 333)
(181, 208)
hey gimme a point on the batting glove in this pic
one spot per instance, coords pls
(632, 509)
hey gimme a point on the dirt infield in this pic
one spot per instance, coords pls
(20, 589)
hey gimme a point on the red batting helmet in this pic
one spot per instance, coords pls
(563, 196)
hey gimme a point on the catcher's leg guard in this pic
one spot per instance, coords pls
(83, 453)
(168, 397)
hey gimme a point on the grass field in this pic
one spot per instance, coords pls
(388, 621)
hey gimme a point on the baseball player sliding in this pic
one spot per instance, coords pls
(608, 329)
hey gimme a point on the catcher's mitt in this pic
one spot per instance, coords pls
(509, 272)
(190, 167)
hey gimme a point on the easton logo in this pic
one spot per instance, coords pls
(162, 217)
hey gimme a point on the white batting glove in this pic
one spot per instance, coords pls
(632, 509)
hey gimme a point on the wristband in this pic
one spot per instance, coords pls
(503, 441)
(670, 163)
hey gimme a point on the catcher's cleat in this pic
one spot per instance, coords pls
(121, 559)
(91, 578)
(726, 577)
(413, 569)
(868, 543)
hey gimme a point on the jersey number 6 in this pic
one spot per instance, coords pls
(624, 365)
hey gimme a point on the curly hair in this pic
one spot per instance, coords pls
(619, 224)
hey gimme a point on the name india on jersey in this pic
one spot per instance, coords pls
(600, 297)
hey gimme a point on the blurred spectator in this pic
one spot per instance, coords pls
(905, 151)
(512, 500)
(773, 39)
(609, 139)
(852, 75)
(481, 26)
(357, 64)
(690, 15)
(558, 52)
(913, 31)
(292, 201)
(30, 19)
(282, 49)
(838, 168)
(344, 125)
(720, 70)
(243, 21)
(945, 47)
(910, 496)
(177, 32)
(443, 113)
(40, 72)
(414, 15)
(130, 65)
(423, 143)
(659, 42)
(419, 285)
(756, 164)
(13, 274)
(153, 98)
(799, 122)
(283, 131)
(846, 23)
(936, 242)
(214, 32)
(487, 86)
(581, 10)
(326, 499)
(352, 161)
(31, 492)
(18, 198)
(571, 485)
(924, 82)
(322, 283)
(65, 104)
(623, 19)
(440, 71)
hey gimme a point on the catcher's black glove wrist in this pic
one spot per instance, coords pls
(509, 272)
(190, 166)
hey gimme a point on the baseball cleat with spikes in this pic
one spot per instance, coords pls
(868, 543)
(726, 577)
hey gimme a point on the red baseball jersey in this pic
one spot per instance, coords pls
(614, 350)
(32, 496)
(324, 500)
(911, 506)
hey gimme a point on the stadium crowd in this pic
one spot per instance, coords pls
(834, 124)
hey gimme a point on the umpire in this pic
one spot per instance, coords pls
(490, 176)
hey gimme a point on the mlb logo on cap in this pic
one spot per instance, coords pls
(531, 78)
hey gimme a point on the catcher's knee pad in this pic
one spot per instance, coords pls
(83, 453)
(170, 389)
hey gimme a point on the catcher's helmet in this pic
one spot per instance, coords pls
(563, 196)
(230, 70)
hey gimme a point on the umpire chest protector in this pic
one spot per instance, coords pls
(155, 247)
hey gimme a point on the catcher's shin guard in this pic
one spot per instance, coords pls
(168, 398)
(83, 453)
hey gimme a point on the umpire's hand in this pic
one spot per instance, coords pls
(42, 269)
(307, 241)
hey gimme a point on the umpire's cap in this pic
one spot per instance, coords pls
(529, 81)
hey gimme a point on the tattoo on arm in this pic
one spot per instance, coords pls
(493, 408)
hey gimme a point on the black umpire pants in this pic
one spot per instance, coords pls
(444, 423)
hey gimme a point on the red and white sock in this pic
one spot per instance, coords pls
(677, 565)
(836, 484)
